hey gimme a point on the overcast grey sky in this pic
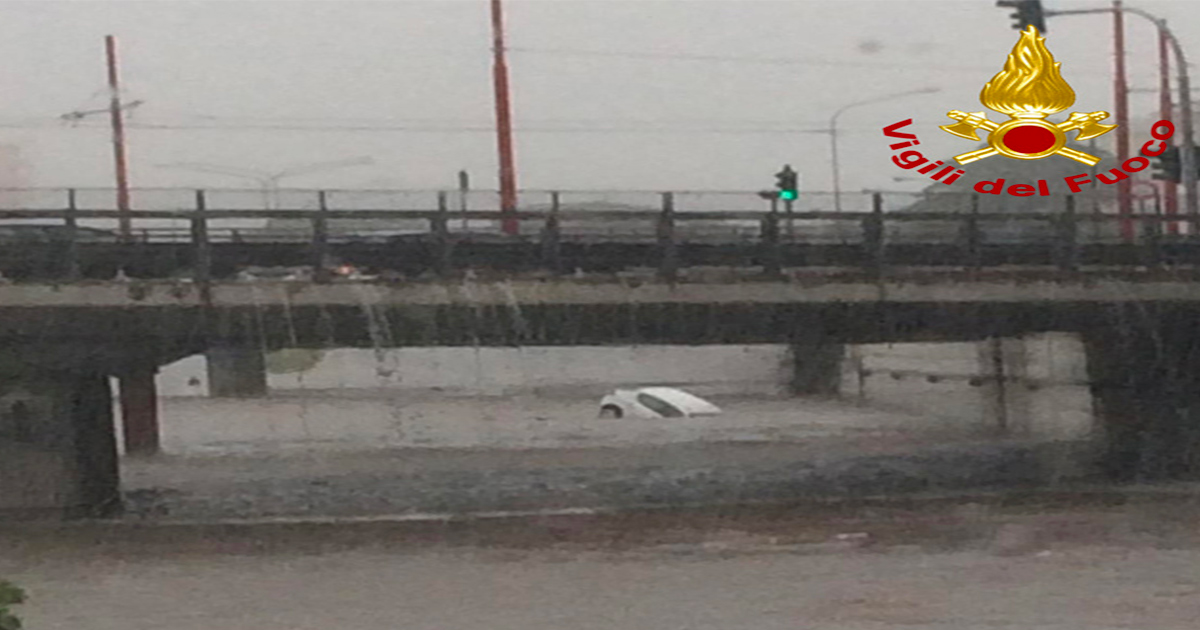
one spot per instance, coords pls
(678, 100)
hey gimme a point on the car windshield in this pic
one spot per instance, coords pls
(659, 406)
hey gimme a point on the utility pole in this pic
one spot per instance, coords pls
(1121, 99)
(508, 176)
(1170, 192)
(118, 134)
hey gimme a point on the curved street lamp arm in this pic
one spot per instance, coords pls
(833, 141)
(878, 99)
(305, 169)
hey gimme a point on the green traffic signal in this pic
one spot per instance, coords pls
(786, 182)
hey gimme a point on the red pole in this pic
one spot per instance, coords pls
(1170, 190)
(1121, 96)
(118, 134)
(508, 176)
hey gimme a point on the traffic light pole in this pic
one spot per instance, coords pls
(791, 224)
(1187, 157)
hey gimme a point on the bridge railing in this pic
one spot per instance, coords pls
(878, 231)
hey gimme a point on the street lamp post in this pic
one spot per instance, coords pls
(833, 138)
(1186, 152)
(269, 181)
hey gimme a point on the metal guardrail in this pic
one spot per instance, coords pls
(560, 219)
(146, 199)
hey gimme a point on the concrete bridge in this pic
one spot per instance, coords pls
(62, 342)
(213, 235)
(64, 335)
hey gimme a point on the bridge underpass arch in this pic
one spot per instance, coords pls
(50, 338)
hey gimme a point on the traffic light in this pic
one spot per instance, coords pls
(785, 181)
(1167, 166)
(1028, 13)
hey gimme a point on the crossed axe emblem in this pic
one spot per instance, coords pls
(1088, 126)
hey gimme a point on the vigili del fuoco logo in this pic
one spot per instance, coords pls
(1029, 89)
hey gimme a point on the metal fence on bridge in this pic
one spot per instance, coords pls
(873, 224)
(263, 215)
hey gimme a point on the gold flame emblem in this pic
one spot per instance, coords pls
(1028, 89)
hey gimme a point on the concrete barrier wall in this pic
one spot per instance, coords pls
(502, 397)
(1045, 395)
(715, 370)
(1063, 409)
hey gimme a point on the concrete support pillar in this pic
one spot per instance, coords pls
(816, 365)
(1144, 375)
(97, 468)
(1032, 389)
(236, 372)
(139, 410)
(58, 452)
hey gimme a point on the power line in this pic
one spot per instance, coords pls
(458, 122)
(481, 129)
(821, 62)
(566, 52)
(427, 129)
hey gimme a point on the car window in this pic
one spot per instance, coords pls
(659, 406)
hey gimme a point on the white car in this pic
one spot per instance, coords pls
(655, 402)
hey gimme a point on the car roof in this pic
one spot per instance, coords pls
(688, 403)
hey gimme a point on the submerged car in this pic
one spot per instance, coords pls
(655, 402)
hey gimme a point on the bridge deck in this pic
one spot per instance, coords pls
(716, 287)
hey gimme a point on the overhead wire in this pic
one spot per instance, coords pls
(152, 126)
(220, 123)
(703, 57)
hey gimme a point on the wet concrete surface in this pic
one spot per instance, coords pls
(321, 421)
(804, 524)
(1108, 560)
(404, 481)
(278, 457)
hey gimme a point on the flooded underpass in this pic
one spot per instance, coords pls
(403, 481)
(355, 495)
(560, 316)
(482, 488)
(412, 431)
